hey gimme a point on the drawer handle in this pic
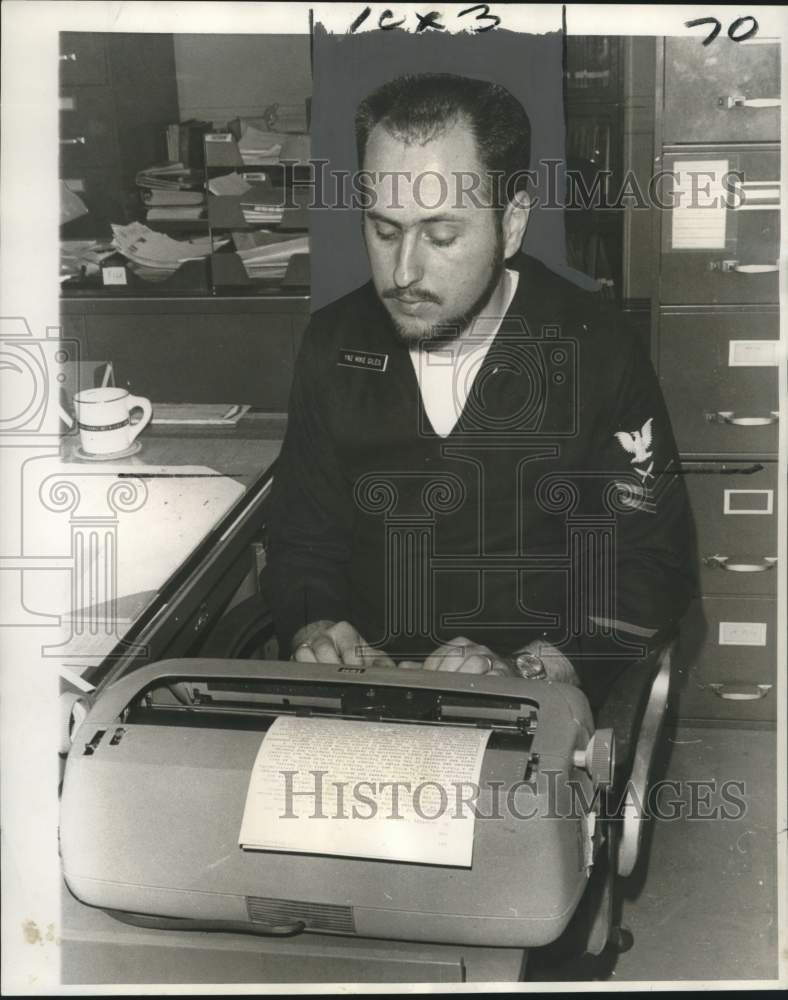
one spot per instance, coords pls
(748, 102)
(728, 417)
(68, 57)
(78, 140)
(734, 267)
(721, 562)
(741, 692)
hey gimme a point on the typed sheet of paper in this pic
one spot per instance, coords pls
(365, 789)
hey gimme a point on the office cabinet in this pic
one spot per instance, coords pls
(715, 326)
(724, 92)
(83, 58)
(116, 100)
(737, 534)
(718, 375)
(721, 235)
(726, 662)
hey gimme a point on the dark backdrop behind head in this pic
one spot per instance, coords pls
(348, 67)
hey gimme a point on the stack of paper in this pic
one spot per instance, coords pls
(204, 414)
(147, 248)
(270, 259)
(169, 175)
(229, 184)
(257, 146)
(177, 212)
(263, 204)
(262, 215)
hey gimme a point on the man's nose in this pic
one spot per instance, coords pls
(408, 269)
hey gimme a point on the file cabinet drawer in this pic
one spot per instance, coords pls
(726, 667)
(721, 225)
(720, 380)
(736, 522)
(82, 58)
(725, 92)
(87, 128)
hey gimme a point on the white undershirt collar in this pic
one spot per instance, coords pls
(445, 376)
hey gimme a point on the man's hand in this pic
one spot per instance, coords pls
(463, 656)
(460, 655)
(336, 642)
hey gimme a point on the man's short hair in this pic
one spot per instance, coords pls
(418, 108)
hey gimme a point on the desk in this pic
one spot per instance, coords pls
(172, 577)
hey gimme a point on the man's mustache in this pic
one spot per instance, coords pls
(410, 295)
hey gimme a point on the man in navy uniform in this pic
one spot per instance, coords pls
(479, 474)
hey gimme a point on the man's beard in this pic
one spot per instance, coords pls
(440, 336)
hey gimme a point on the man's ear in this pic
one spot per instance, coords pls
(515, 220)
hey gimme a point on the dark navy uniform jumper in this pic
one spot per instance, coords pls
(553, 509)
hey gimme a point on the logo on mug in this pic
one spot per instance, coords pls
(104, 418)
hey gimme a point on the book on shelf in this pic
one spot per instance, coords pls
(185, 141)
(175, 212)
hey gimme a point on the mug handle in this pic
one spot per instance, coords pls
(137, 426)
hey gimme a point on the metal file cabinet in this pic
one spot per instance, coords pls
(726, 663)
(716, 368)
(737, 533)
(720, 237)
(721, 92)
(116, 101)
(715, 333)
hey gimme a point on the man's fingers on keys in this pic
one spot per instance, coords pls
(304, 653)
(371, 657)
(449, 656)
(478, 661)
(325, 649)
(410, 665)
(347, 644)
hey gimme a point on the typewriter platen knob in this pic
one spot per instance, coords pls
(598, 759)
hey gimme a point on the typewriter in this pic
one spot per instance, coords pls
(158, 771)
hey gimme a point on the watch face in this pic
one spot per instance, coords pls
(531, 666)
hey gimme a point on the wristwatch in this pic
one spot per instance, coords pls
(528, 665)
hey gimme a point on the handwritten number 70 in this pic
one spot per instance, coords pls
(734, 30)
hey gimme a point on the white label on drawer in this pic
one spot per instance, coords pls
(742, 634)
(700, 200)
(75, 184)
(748, 502)
(752, 353)
(219, 137)
(67, 103)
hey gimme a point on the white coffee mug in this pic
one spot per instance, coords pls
(104, 419)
